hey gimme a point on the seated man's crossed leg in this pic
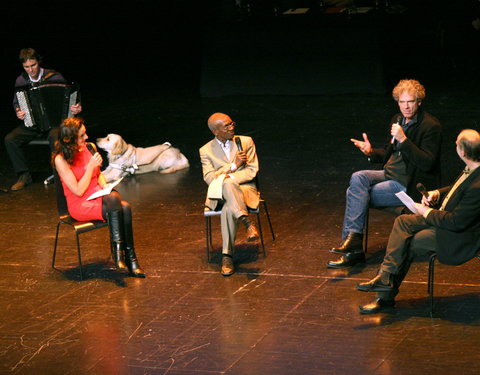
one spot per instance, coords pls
(367, 188)
(234, 211)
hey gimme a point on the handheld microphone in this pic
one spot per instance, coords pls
(239, 143)
(422, 189)
(398, 122)
(91, 148)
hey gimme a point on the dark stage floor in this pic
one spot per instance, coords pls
(283, 314)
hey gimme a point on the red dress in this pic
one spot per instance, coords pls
(78, 207)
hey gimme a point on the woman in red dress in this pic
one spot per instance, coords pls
(80, 174)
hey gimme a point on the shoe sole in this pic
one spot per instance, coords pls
(376, 310)
(337, 267)
(374, 289)
(343, 252)
(17, 189)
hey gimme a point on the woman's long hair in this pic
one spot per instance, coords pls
(66, 144)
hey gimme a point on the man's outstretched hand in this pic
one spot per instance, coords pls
(364, 145)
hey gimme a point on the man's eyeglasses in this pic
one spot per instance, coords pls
(230, 125)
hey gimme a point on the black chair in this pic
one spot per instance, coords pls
(42, 142)
(431, 276)
(78, 226)
(208, 214)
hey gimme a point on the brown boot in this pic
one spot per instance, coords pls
(23, 180)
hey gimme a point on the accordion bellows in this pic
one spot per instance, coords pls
(47, 105)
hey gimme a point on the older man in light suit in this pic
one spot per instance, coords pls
(235, 168)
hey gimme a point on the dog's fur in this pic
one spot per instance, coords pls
(125, 159)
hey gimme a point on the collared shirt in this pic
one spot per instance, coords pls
(40, 75)
(226, 148)
(466, 172)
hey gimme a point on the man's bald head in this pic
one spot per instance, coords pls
(468, 141)
(218, 119)
(221, 126)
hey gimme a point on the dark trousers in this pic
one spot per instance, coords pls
(410, 238)
(18, 138)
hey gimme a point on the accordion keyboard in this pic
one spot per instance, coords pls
(23, 103)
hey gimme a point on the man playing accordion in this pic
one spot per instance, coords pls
(34, 77)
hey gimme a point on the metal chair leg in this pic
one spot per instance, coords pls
(261, 234)
(55, 245)
(431, 272)
(208, 237)
(268, 218)
(79, 256)
(365, 231)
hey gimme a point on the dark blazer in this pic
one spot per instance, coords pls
(420, 152)
(458, 226)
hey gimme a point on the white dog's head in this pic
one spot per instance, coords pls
(113, 144)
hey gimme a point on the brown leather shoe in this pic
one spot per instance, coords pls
(353, 242)
(23, 180)
(252, 233)
(227, 266)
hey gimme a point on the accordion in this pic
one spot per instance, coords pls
(46, 105)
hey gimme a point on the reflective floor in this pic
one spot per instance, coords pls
(285, 313)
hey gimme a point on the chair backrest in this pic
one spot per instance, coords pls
(62, 207)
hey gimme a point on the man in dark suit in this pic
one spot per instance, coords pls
(234, 169)
(452, 230)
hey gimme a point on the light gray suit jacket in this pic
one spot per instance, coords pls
(214, 161)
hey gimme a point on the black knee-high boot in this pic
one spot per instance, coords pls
(130, 256)
(116, 238)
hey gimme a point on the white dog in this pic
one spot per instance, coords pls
(125, 159)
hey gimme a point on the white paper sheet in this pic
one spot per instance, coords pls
(407, 201)
(107, 190)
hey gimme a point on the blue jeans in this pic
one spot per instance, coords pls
(368, 188)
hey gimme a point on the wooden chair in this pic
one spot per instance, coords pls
(79, 227)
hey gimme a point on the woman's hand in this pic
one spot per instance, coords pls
(95, 161)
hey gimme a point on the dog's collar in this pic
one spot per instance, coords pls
(132, 169)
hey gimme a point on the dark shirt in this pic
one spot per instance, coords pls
(395, 168)
(420, 153)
